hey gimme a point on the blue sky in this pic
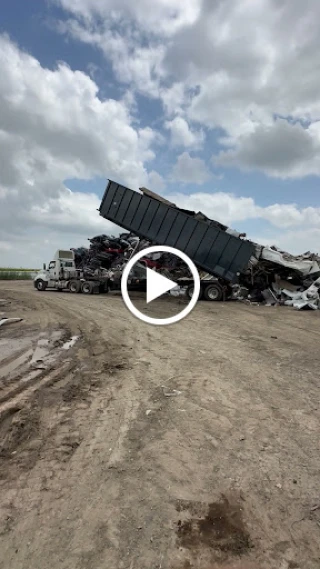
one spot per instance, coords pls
(197, 123)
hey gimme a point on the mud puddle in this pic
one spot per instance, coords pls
(25, 360)
(216, 531)
(221, 527)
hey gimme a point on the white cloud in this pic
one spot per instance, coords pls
(60, 222)
(132, 63)
(59, 213)
(155, 181)
(53, 126)
(280, 150)
(173, 98)
(227, 65)
(182, 135)
(166, 16)
(300, 241)
(223, 207)
(59, 112)
(190, 170)
(228, 208)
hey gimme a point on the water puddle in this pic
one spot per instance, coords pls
(31, 355)
(10, 367)
(42, 351)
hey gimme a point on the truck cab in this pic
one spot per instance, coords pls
(60, 270)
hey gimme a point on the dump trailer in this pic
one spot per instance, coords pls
(212, 249)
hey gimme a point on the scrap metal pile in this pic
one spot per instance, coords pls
(275, 277)
(112, 253)
(272, 277)
(105, 252)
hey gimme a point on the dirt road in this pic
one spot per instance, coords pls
(189, 446)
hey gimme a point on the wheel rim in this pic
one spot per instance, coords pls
(73, 288)
(40, 285)
(213, 293)
(86, 289)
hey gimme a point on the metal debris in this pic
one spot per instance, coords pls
(173, 393)
(289, 280)
(5, 321)
(67, 345)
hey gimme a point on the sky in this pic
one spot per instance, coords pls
(213, 103)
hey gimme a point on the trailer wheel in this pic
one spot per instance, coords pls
(213, 292)
(74, 286)
(190, 290)
(87, 287)
(41, 285)
(103, 288)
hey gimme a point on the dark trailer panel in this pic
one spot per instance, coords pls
(209, 247)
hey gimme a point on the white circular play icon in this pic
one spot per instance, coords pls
(157, 285)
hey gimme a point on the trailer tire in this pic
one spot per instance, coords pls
(213, 292)
(74, 286)
(87, 287)
(103, 288)
(190, 290)
(40, 285)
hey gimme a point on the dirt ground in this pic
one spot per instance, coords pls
(191, 446)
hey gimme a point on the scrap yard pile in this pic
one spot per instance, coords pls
(111, 253)
(270, 277)
(276, 277)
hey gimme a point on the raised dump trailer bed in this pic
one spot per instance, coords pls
(210, 248)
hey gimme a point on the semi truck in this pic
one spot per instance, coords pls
(220, 256)
(62, 274)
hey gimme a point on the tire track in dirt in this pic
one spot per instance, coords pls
(22, 394)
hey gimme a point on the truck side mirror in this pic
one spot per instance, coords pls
(44, 267)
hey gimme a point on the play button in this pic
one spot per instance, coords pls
(158, 285)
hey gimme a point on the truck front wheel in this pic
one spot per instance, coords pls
(74, 286)
(41, 285)
(213, 292)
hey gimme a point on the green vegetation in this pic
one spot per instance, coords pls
(10, 274)
(19, 270)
